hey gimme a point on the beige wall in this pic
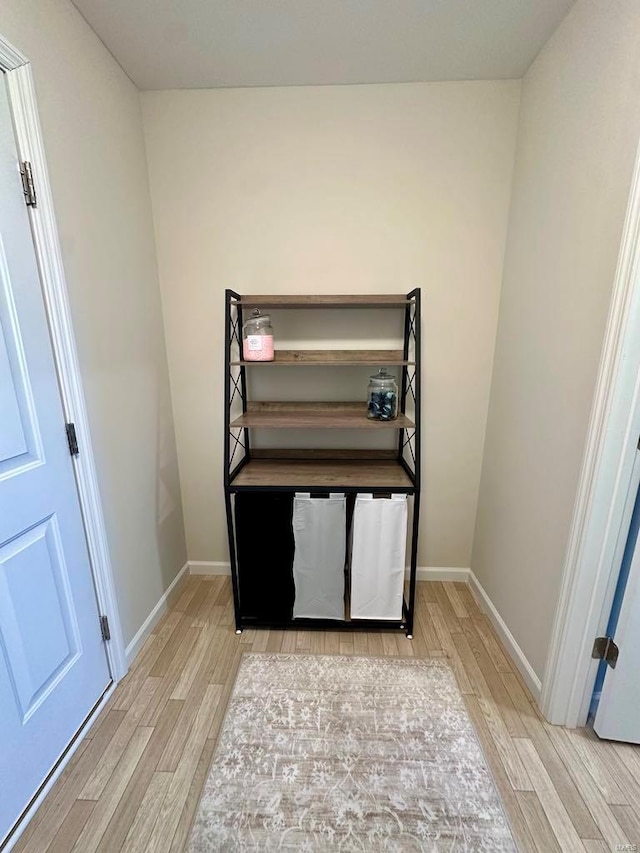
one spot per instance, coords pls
(335, 189)
(578, 132)
(90, 113)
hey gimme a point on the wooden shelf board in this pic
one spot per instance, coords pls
(330, 474)
(381, 300)
(309, 358)
(357, 454)
(273, 415)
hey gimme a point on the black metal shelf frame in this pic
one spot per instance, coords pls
(237, 453)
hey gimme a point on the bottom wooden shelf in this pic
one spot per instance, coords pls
(336, 474)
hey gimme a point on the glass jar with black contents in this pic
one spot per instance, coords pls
(382, 396)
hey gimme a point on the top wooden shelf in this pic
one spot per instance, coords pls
(380, 300)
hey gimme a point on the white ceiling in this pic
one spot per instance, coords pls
(176, 44)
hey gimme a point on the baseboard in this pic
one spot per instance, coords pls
(441, 573)
(208, 567)
(433, 573)
(423, 573)
(487, 606)
(167, 598)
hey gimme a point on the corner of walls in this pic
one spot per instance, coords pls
(166, 600)
(508, 640)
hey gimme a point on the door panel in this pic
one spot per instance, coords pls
(17, 432)
(40, 632)
(53, 665)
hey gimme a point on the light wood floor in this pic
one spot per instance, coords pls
(134, 782)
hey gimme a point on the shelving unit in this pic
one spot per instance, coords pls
(316, 470)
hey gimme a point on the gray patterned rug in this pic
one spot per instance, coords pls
(337, 753)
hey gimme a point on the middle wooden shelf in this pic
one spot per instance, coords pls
(301, 415)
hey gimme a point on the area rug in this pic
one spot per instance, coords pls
(337, 753)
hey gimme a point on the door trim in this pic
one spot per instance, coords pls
(597, 532)
(47, 247)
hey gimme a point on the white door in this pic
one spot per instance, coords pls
(618, 713)
(53, 664)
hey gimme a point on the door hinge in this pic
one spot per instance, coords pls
(605, 649)
(28, 186)
(104, 628)
(72, 439)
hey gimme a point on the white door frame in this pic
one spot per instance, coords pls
(47, 247)
(598, 531)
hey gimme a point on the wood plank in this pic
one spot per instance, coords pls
(629, 783)
(176, 639)
(599, 846)
(601, 812)
(454, 625)
(303, 641)
(406, 647)
(324, 300)
(629, 820)
(275, 641)
(564, 830)
(423, 627)
(174, 746)
(191, 667)
(197, 600)
(459, 607)
(509, 756)
(468, 600)
(329, 415)
(220, 708)
(193, 798)
(67, 836)
(188, 592)
(561, 778)
(427, 592)
(173, 673)
(289, 642)
(138, 838)
(496, 686)
(630, 755)
(332, 642)
(389, 645)
(519, 826)
(332, 357)
(446, 643)
(492, 644)
(583, 741)
(124, 815)
(261, 641)
(376, 647)
(130, 686)
(104, 769)
(329, 474)
(537, 821)
(93, 831)
(175, 798)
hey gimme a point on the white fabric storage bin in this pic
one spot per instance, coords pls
(377, 557)
(319, 532)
